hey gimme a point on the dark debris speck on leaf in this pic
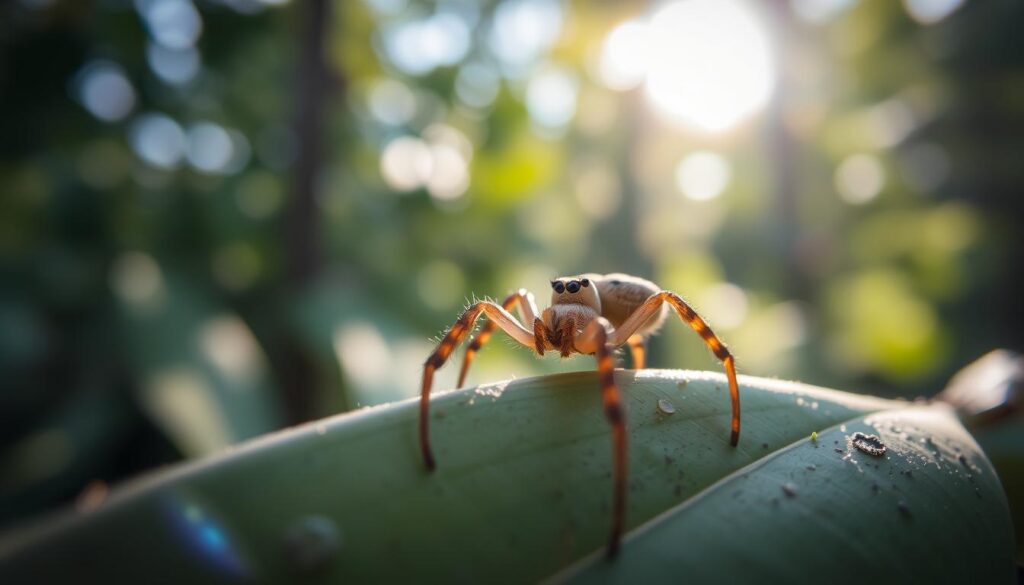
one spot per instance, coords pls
(870, 444)
(903, 508)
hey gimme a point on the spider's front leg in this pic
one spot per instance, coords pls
(451, 340)
(650, 308)
(527, 310)
(595, 339)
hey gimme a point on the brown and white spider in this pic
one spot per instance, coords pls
(589, 314)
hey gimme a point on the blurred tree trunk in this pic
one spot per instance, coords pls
(303, 256)
(621, 233)
(783, 151)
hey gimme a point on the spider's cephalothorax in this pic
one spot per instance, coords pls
(575, 302)
(589, 314)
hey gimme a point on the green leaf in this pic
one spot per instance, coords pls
(929, 510)
(523, 490)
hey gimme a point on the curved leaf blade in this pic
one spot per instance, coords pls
(931, 509)
(522, 488)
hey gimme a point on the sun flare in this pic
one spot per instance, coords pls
(703, 63)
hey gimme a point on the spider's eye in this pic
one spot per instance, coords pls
(585, 282)
(573, 286)
(559, 287)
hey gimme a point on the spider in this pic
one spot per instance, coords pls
(589, 314)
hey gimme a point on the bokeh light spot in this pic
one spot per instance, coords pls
(406, 163)
(104, 90)
(440, 163)
(551, 97)
(820, 11)
(209, 147)
(136, 278)
(391, 102)
(624, 56)
(931, 11)
(703, 175)
(419, 47)
(173, 66)
(181, 398)
(477, 85)
(175, 24)
(449, 176)
(725, 305)
(229, 344)
(158, 140)
(523, 30)
(362, 352)
(859, 178)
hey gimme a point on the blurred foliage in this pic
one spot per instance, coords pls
(859, 228)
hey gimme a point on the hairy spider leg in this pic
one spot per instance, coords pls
(595, 337)
(527, 311)
(651, 306)
(638, 348)
(451, 340)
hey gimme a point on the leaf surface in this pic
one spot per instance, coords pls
(522, 489)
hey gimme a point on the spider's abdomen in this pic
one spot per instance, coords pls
(621, 294)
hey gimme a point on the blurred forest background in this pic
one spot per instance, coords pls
(222, 217)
